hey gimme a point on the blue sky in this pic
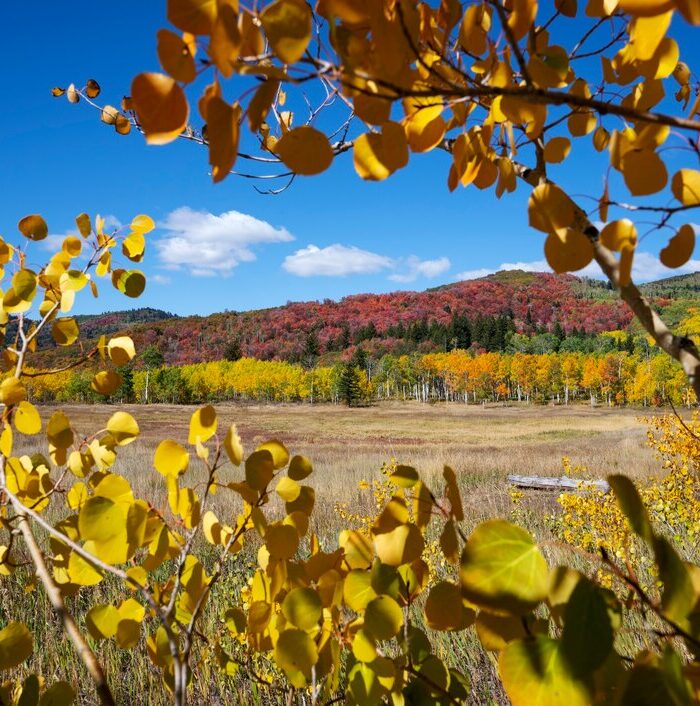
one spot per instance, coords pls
(250, 250)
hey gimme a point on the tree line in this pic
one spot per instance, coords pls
(613, 377)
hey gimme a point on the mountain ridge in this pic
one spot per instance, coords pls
(395, 322)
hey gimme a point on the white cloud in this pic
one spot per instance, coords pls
(208, 245)
(335, 261)
(341, 260)
(646, 268)
(159, 279)
(415, 268)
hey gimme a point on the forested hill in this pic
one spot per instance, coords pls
(486, 313)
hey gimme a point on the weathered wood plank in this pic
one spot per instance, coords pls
(554, 483)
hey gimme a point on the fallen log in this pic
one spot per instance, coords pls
(562, 483)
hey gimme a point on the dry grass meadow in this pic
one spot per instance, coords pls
(482, 444)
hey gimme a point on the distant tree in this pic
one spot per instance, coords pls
(232, 352)
(312, 349)
(359, 358)
(349, 385)
(152, 357)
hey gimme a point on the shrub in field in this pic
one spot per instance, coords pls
(593, 520)
(352, 622)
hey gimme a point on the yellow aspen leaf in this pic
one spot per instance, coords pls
(287, 25)
(287, 489)
(644, 172)
(122, 125)
(58, 431)
(357, 590)
(15, 645)
(549, 208)
(474, 29)
(645, 8)
(134, 246)
(72, 281)
(132, 283)
(80, 463)
(175, 57)
(109, 115)
(358, 551)
(281, 541)
(305, 150)
(65, 331)
(77, 495)
(188, 507)
(502, 568)
(223, 132)
(449, 543)
(300, 467)
(550, 683)
(685, 186)
(581, 123)
(425, 127)
(404, 476)
(616, 234)
(101, 521)
(123, 428)
(601, 139)
(72, 245)
(383, 617)
(6, 569)
(6, 441)
(233, 446)
(226, 38)
(679, 249)
(259, 469)
(33, 227)
(92, 88)
(101, 621)
(295, 652)
(161, 107)
(27, 419)
(444, 610)
(452, 493)
(522, 16)
(557, 149)
(203, 425)
(373, 109)
(142, 224)
(121, 350)
(521, 112)
(261, 102)
(646, 33)
(401, 545)
(106, 382)
(12, 391)
(378, 155)
(280, 455)
(568, 250)
(194, 16)
(171, 459)
(302, 608)
(364, 647)
(299, 520)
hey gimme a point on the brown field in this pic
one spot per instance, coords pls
(483, 444)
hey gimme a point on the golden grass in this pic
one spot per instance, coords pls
(483, 444)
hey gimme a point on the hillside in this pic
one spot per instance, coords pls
(480, 312)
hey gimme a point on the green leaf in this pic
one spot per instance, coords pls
(502, 569)
(302, 608)
(631, 506)
(535, 673)
(587, 637)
